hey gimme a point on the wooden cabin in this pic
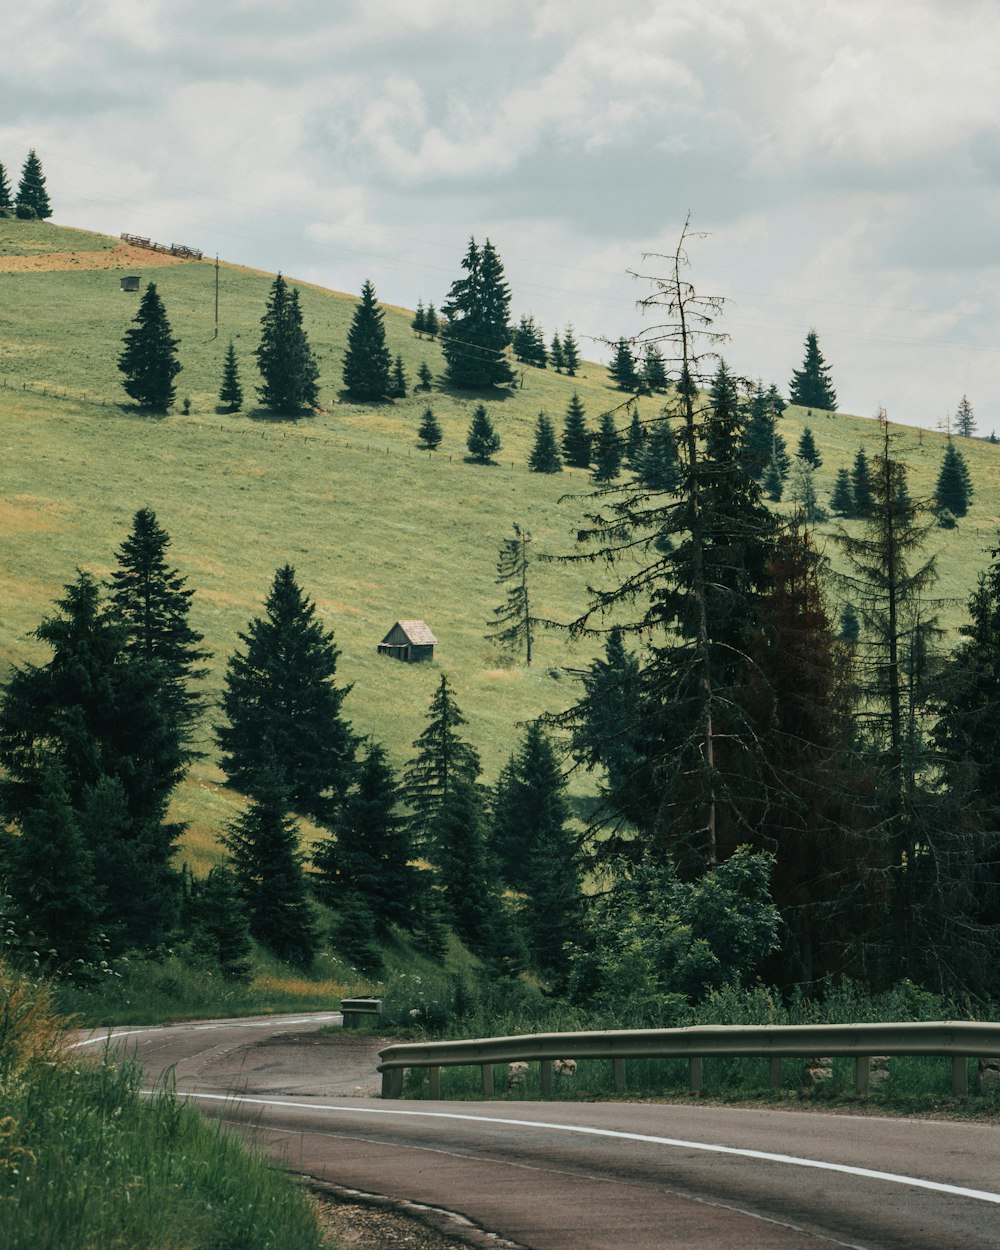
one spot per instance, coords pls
(131, 283)
(409, 641)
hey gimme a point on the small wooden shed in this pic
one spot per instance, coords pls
(131, 283)
(409, 641)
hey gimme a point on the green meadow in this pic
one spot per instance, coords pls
(376, 529)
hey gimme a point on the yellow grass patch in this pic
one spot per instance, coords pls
(123, 257)
(299, 985)
(24, 513)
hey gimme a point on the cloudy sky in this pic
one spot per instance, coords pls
(843, 158)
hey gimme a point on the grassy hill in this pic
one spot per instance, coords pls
(376, 529)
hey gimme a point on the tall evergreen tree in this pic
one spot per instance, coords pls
(622, 369)
(654, 370)
(544, 456)
(608, 451)
(32, 196)
(367, 363)
(369, 856)
(442, 759)
(660, 467)
(529, 344)
(425, 376)
(842, 499)
(419, 322)
(556, 354)
(483, 441)
(398, 385)
(288, 368)
(807, 449)
(153, 603)
(148, 357)
(965, 420)
(429, 432)
(458, 834)
(263, 844)
(477, 329)
(231, 392)
(810, 386)
(283, 708)
(605, 731)
(513, 624)
(570, 352)
(861, 484)
(6, 195)
(96, 712)
(635, 440)
(576, 437)
(217, 924)
(431, 321)
(954, 484)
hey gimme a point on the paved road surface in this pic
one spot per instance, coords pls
(591, 1176)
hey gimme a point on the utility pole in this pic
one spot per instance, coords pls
(216, 334)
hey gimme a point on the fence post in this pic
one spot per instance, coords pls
(694, 1074)
(392, 1082)
(862, 1073)
(434, 1082)
(959, 1076)
(618, 1064)
(487, 1071)
(546, 1073)
(774, 1073)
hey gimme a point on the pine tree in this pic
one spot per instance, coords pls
(654, 370)
(216, 920)
(635, 441)
(965, 421)
(810, 386)
(6, 195)
(576, 437)
(773, 483)
(32, 197)
(148, 357)
(431, 322)
(483, 440)
(861, 485)
(230, 392)
(954, 485)
(807, 449)
(369, 856)
(849, 625)
(425, 376)
(570, 352)
(514, 625)
(367, 363)
(605, 728)
(429, 434)
(458, 834)
(622, 368)
(97, 712)
(419, 322)
(544, 456)
(153, 604)
(660, 466)
(442, 759)
(263, 844)
(287, 365)
(805, 495)
(477, 329)
(842, 499)
(529, 343)
(557, 354)
(282, 708)
(607, 451)
(398, 385)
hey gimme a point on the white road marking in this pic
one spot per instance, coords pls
(111, 1036)
(918, 1182)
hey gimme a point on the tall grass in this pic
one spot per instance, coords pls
(85, 1161)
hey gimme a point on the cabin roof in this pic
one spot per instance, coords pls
(416, 631)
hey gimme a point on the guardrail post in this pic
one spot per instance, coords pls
(546, 1073)
(487, 1071)
(694, 1074)
(434, 1082)
(392, 1082)
(959, 1076)
(774, 1073)
(618, 1066)
(862, 1073)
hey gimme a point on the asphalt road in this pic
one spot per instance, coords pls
(589, 1176)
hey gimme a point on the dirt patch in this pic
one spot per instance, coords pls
(124, 256)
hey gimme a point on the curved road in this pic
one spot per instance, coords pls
(588, 1176)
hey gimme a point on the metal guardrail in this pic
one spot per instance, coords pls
(959, 1040)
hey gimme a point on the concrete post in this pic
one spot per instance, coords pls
(774, 1074)
(546, 1074)
(694, 1074)
(434, 1082)
(959, 1076)
(862, 1073)
(487, 1071)
(618, 1064)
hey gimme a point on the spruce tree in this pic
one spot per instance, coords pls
(398, 385)
(217, 925)
(528, 343)
(263, 844)
(6, 196)
(660, 467)
(283, 708)
(457, 833)
(367, 363)
(477, 329)
(807, 449)
(954, 485)
(32, 196)
(607, 451)
(544, 456)
(513, 624)
(842, 499)
(368, 858)
(153, 603)
(965, 421)
(622, 368)
(148, 357)
(429, 433)
(482, 440)
(230, 392)
(557, 354)
(425, 376)
(570, 352)
(419, 322)
(288, 368)
(442, 759)
(576, 436)
(605, 728)
(654, 370)
(861, 484)
(635, 440)
(773, 483)
(810, 386)
(431, 321)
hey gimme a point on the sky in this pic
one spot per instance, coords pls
(839, 161)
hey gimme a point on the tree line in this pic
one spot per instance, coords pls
(31, 201)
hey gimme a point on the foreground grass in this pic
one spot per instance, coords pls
(85, 1161)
